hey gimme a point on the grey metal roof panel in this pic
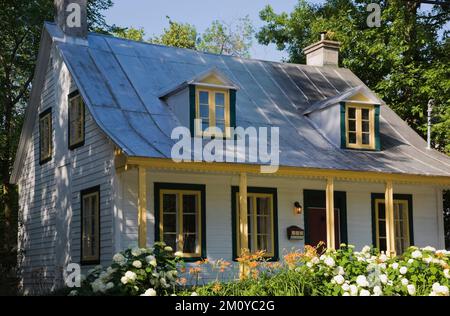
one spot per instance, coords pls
(121, 81)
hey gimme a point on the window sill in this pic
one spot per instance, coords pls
(77, 145)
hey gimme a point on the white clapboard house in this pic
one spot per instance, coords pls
(95, 170)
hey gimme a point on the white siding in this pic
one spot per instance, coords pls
(49, 194)
(218, 208)
(328, 121)
(179, 104)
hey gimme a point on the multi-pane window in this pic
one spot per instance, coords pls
(260, 223)
(360, 123)
(401, 225)
(45, 136)
(213, 110)
(90, 225)
(180, 221)
(76, 121)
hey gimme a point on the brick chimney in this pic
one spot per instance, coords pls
(71, 17)
(322, 53)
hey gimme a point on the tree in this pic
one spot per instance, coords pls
(181, 35)
(219, 38)
(131, 33)
(405, 61)
(228, 39)
(21, 24)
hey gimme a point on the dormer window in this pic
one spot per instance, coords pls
(212, 108)
(211, 100)
(360, 126)
(356, 111)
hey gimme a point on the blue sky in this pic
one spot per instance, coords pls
(151, 15)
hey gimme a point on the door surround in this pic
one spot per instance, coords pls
(340, 201)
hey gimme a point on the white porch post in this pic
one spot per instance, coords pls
(331, 240)
(142, 207)
(440, 218)
(390, 228)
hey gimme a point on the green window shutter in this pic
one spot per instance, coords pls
(343, 130)
(192, 109)
(233, 108)
(377, 127)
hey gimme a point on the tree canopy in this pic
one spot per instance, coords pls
(220, 37)
(406, 60)
(228, 38)
(181, 35)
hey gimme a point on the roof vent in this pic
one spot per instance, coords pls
(71, 17)
(322, 53)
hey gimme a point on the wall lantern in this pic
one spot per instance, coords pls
(298, 209)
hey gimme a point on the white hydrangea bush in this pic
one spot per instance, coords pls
(419, 271)
(135, 271)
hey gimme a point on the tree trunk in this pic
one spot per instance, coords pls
(9, 231)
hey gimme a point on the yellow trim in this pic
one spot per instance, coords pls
(361, 97)
(253, 211)
(390, 229)
(213, 79)
(331, 241)
(358, 124)
(179, 225)
(406, 220)
(237, 168)
(212, 110)
(243, 214)
(142, 208)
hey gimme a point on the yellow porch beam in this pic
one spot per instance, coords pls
(243, 212)
(238, 168)
(390, 229)
(142, 207)
(243, 223)
(331, 241)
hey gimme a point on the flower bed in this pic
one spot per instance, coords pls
(343, 272)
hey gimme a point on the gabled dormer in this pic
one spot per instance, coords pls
(206, 103)
(351, 120)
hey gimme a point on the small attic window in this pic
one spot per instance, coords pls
(76, 120)
(212, 108)
(45, 136)
(360, 122)
(361, 129)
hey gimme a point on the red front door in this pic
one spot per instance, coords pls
(317, 224)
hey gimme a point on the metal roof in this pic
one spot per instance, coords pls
(121, 82)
